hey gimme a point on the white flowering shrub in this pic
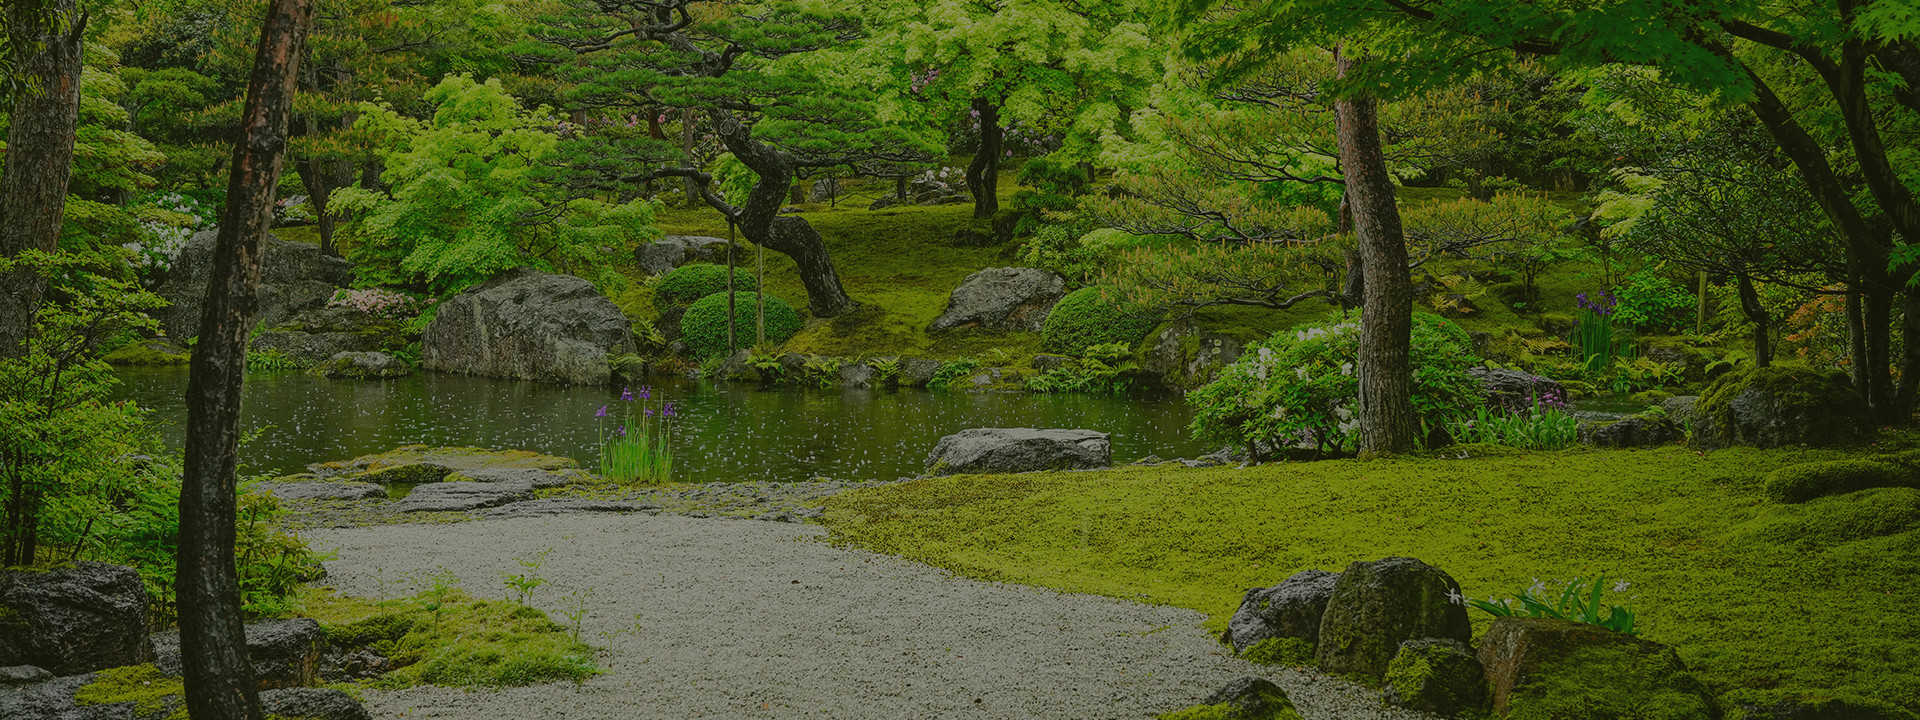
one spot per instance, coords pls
(378, 302)
(166, 221)
(1299, 387)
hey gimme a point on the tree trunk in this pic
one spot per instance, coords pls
(1877, 320)
(983, 174)
(686, 151)
(762, 224)
(1387, 422)
(319, 181)
(1908, 392)
(1762, 321)
(39, 159)
(219, 679)
(1856, 338)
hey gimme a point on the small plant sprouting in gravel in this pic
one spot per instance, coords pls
(525, 583)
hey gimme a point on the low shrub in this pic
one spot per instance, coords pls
(1806, 481)
(704, 327)
(1095, 316)
(687, 283)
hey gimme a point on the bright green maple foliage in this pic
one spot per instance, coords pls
(468, 201)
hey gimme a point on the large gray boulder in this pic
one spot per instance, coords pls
(1378, 605)
(663, 255)
(74, 619)
(284, 653)
(459, 496)
(53, 700)
(1631, 431)
(312, 704)
(1515, 390)
(823, 190)
(1013, 450)
(1184, 357)
(528, 325)
(1774, 406)
(1290, 609)
(295, 278)
(1002, 299)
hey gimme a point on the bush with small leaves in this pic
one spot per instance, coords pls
(688, 283)
(704, 327)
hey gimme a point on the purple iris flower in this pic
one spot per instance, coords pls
(646, 392)
(621, 431)
(626, 394)
(602, 413)
(668, 410)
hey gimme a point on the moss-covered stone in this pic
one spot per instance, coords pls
(1246, 698)
(1549, 669)
(151, 692)
(1378, 605)
(154, 351)
(1436, 676)
(1291, 652)
(1806, 481)
(423, 464)
(1775, 406)
(1830, 521)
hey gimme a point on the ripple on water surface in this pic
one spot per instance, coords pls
(721, 432)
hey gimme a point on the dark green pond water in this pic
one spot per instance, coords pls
(722, 432)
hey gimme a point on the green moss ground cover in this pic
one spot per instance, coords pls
(1765, 599)
(447, 637)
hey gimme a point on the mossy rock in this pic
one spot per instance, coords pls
(1245, 698)
(151, 693)
(688, 283)
(1095, 316)
(153, 351)
(409, 463)
(1550, 669)
(1436, 676)
(1284, 651)
(1775, 406)
(1824, 522)
(1806, 481)
(1514, 295)
(1378, 605)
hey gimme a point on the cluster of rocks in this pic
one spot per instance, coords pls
(1016, 450)
(295, 278)
(529, 325)
(72, 636)
(1402, 625)
(924, 191)
(662, 256)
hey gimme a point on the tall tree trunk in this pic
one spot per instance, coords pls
(762, 224)
(1877, 320)
(1387, 422)
(219, 679)
(39, 158)
(983, 174)
(1856, 337)
(319, 184)
(1762, 321)
(1908, 392)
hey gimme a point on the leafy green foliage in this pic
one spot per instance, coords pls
(1102, 369)
(704, 327)
(1578, 602)
(1088, 317)
(688, 283)
(1536, 428)
(952, 371)
(467, 199)
(1299, 388)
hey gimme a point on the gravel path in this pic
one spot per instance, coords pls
(745, 619)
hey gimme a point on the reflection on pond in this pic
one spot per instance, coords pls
(723, 432)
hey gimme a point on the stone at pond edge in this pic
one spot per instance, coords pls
(1436, 676)
(1012, 450)
(295, 278)
(1289, 609)
(1774, 406)
(309, 349)
(1184, 357)
(1515, 390)
(313, 704)
(1630, 432)
(423, 463)
(361, 366)
(284, 653)
(1680, 408)
(1244, 698)
(535, 478)
(322, 490)
(152, 351)
(529, 325)
(1378, 605)
(74, 619)
(457, 496)
(917, 372)
(1545, 667)
(1002, 299)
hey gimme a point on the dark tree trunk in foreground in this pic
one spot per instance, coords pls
(219, 680)
(761, 222)
(1387, 422)
(983, 174)
(39, 159)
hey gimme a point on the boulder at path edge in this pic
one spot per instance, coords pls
(1437, 676)
(1013, 450)
(528, 325)
(1378, 605)
(1002, 299)
(1546, 667)
(1289, 609)
(72, 620)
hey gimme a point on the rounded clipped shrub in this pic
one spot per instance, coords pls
(704, 327)
(688, 283)
(1095, 316)
(1806, 481)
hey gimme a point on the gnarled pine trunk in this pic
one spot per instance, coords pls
(983, 174)
(763, 225)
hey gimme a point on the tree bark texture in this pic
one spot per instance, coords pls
(1762, 321)
(762, 224)
(219, 679)
(1387, 422)
(983, 174)
(686, 152)
(39, 159)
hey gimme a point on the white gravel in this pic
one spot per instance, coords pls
(746, 619)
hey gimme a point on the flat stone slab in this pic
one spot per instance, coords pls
(1013, 450)
(322, 490)
(459, 496)
(424, 464)
(535, 477)
(564, 506)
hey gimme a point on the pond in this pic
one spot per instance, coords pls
(722, 432)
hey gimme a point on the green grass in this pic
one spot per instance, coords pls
(1767, 599)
